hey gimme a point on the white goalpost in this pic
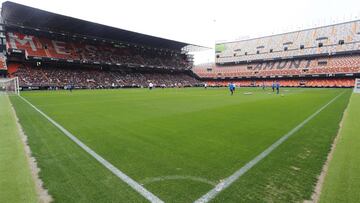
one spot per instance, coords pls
(9, 86)
(357, 85)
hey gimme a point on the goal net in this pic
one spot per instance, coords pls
(9, 86)
(357, 85)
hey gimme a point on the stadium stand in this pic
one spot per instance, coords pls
(47, 50)
(326, 56)
(310, 82)
(322, 65)
(99, 53)
(332, 39)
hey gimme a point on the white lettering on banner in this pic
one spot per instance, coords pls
(27, 39)
(60, 47)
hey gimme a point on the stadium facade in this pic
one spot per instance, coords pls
(327, 56)
(47, 50)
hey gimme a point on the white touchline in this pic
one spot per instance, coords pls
(231, 179)
(136, 186)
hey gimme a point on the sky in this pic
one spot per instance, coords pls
(205, 22)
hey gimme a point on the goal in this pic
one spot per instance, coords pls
(357, 86)
(9, 86)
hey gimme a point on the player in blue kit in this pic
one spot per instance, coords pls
(232, 88)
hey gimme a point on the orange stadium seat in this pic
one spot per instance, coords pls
(333, 65)
(319, 82)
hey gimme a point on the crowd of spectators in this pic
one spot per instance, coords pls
(130, 55)
(96, 78)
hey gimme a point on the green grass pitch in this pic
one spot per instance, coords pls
(16, 182)
(179, 143)
(342, 183)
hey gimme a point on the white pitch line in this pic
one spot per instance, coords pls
(136, 186)
(177, 177)
(231, 179)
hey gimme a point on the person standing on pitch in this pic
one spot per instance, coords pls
(273, 86)
(232, 88)
(151, 85)
(277, 87)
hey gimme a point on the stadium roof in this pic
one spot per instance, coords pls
(21, 15)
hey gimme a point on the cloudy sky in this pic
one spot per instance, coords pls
(203, 22)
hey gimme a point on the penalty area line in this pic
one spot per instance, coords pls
(132, 183)
(231, 179)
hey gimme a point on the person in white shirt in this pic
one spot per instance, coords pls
(151, 85)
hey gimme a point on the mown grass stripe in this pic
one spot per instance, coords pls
(342, 180)
(132, 183)
(231, 179)
(16, 182)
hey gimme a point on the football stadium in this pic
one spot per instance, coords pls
(94, 113)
